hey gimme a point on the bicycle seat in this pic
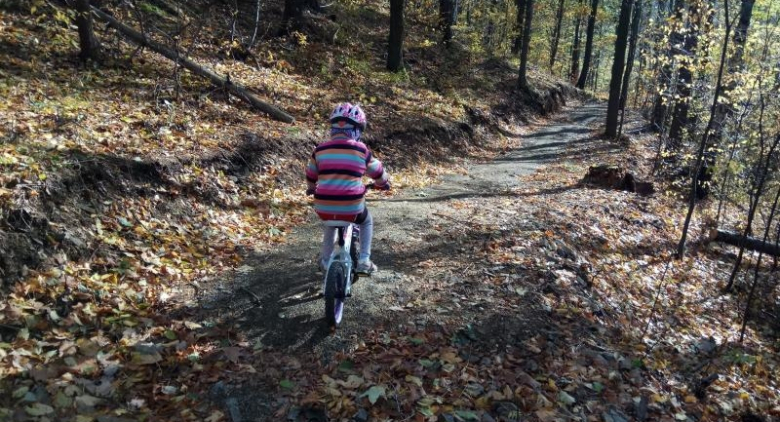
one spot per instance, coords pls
(337, 223)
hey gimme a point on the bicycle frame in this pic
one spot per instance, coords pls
(343, 254)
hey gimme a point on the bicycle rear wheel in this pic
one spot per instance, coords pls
(335, 294)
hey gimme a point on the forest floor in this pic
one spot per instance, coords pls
(508, 292)
(157, 249)
(431, 245)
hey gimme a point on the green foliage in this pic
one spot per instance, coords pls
(150, 8)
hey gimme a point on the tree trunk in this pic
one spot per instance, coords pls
(740, 34)
(188, 64)
(635, 21)
(751, 295)
(738, 239)
(660, 106)
(292, 15)
(575, 50)
(638, 84)
(517, 46)
(726, 178)
(594, 75)
(447, 14)
(588, 45)
(556, 33)
(630, 61)
(618, 64)
(257, 24)
(764, 169)
(705, 137)
(396, 40)
(522, 81)
(726, 108)
(685, 78)
(88, 43)
(661, 103)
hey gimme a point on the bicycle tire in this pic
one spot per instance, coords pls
(334, 295)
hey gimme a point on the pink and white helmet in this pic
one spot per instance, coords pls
(351, 113)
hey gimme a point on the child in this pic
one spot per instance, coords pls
(335, 177)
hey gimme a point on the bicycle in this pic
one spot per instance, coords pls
(340, 273)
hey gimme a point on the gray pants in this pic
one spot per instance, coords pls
(366, 223)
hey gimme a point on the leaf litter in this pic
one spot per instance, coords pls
(96, 334)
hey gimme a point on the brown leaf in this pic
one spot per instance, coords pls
(232, 353)
(528, 380)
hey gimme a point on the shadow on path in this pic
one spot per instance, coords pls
(283, 310)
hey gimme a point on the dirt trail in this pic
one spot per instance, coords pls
(287, 314)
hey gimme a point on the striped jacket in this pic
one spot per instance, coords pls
(336, 168)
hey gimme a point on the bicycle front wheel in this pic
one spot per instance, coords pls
(335, 286)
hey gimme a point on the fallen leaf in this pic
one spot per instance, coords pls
(232, 353)
(374, 393)
(566, 398)
(215, 416)
(38, 409)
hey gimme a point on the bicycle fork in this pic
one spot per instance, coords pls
(345, 254)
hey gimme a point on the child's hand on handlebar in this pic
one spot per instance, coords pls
(385, 187)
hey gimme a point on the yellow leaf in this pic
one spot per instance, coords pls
(215, 416)
(657, 398)
(146, 359)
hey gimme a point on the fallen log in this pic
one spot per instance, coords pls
(193, 67)
(750, 243)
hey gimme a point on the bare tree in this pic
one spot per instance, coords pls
(661, 104)
(687, 59)
(396, 39)
(635, 21)
(575, 49)
(257, 24)
(292, 16)
(517, 46)
(522, 80)
(767, 232)
(448, 10)
(88, 42)
(763, 166)
(556, 36)
(618, 64)
(706, 135)
(726, 108)
(594, 6)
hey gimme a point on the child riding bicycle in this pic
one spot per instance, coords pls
(334, 176)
